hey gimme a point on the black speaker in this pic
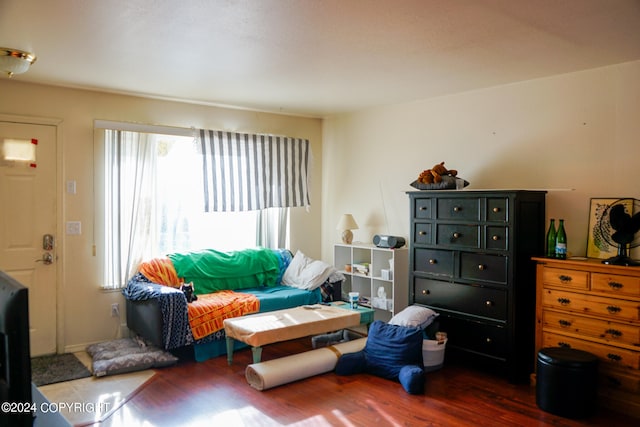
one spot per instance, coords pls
(384, 241)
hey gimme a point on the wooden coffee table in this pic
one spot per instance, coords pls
(260, 329)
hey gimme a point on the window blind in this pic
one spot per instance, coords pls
(250, 171)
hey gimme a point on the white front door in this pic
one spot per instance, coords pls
(27, 214)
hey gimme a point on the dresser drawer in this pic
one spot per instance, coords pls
(615, 284)
(474, 300)
(566, 278)
(497, 209)
(591, 327)
(422, 209)
(593, 305)
(475, 336)
(422, 233)
(608, 355)
(467, 209)
(434, 261)
(614, 379)
(484, 268)
(497, 238)
(458, 235)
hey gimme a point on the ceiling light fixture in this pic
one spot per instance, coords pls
(13, 61)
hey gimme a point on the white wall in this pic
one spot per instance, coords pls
(87, 309)
(579, 131)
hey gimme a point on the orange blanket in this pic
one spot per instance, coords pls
(207, 313)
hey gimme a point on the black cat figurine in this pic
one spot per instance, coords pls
(187, 288)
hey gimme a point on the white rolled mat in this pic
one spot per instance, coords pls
(273, 373)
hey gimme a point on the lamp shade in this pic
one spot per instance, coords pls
(13, 61)
(347, 223)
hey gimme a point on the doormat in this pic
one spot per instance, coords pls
(57, 368)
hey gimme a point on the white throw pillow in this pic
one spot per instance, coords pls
(414, 316)
(306, 273)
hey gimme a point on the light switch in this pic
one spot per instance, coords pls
(74, 227)
(71, 187)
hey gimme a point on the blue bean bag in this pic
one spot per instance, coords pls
(392, 352)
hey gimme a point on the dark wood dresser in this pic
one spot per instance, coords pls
(470, 261)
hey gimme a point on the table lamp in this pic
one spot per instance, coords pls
(346, 224)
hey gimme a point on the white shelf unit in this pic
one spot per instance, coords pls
(396, 286)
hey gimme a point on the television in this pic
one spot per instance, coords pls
(15, 356)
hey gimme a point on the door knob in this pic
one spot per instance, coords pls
(47, 258)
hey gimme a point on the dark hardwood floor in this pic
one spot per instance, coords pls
(212, 393)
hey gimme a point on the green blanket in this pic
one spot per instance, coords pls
(212, 270)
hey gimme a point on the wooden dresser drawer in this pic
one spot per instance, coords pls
(422, 233)
(591, 327)
(608, 355)
(458, 235)
(566, 278)
(615, 284)
(433, 261)
(619, 380)
(474, 300)
(422, 209)
(483, 268)
(592, 305)
(475, 336)
(497, 238)
(458, 208)
(497, 209)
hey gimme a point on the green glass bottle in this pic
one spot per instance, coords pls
(561, 241)
(551, 239)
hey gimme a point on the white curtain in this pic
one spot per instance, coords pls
(130, 164)
(273, 228)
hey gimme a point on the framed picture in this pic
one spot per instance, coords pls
(599, 243)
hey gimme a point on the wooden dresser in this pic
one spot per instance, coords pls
(470, 261)
(590, 306)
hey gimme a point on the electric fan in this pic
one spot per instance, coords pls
(618, 226)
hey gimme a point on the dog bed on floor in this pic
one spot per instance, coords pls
(127, 355)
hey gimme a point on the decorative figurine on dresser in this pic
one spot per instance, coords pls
(470, 260)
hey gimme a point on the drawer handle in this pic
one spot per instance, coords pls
(613, 309)
(613, 382)
(565, 279)
(433, 261)
(496, 210)
(422, 233)
(422, 208)
(489, 303)
(456, 235)
(564, 301)
(457, 209)
(482, 267)
(426, 292)
(613, 332)
(488, 340)
(564, 344)
(614, 357)
(495, 238)
(564, 323)
(615, 285)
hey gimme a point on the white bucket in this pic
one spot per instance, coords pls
(433, 354)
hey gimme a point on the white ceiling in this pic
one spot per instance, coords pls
(313, 57)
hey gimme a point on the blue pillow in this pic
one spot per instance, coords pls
(390, 347)
(392, 352)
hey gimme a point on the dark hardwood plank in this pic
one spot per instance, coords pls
(212, 393)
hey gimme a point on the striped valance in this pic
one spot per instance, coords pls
(245, 172)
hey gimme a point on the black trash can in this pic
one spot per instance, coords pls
(566, 382)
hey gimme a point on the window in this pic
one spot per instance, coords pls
(150, 187)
